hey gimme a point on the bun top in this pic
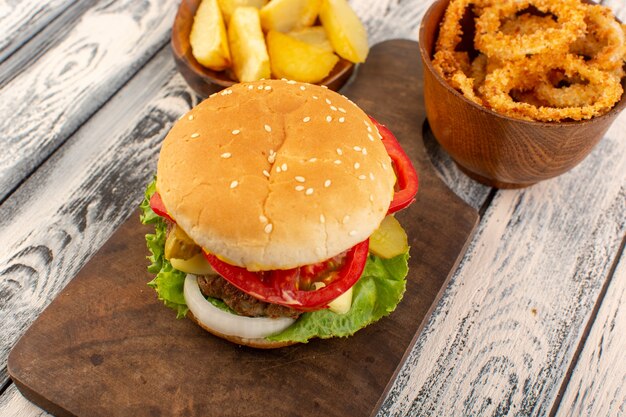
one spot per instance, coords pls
(275, 174)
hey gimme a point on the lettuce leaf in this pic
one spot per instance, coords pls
(169, 282)
(375, 295)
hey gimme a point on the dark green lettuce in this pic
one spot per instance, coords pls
(375, 295)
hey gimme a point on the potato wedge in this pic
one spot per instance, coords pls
(297, 60)
(247, 45)
(229, 6)
(345, 30)
(209, 44)
(288, 15)
(315, 35)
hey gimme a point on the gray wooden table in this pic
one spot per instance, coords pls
(533, 321)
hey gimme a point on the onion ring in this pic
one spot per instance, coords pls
(491, 41)
(529, 71)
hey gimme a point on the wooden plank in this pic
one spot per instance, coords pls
(20, 20)
(597, 386)
(57, 219)
(126, 327)
(13, 404)
(505, 332)
(47, 102)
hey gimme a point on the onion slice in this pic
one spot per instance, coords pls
(227, 323)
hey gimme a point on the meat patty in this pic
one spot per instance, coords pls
(217, 287)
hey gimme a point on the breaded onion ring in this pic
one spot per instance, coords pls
(527, 72)
(492, 41)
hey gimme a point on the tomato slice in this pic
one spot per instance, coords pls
(287, 287)
(405, 172)
(156, 204)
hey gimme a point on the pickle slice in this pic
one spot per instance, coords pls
(389, 239)
(180, 246)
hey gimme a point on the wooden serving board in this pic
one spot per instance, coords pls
(106, 346)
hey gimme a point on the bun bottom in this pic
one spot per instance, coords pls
(253, 343)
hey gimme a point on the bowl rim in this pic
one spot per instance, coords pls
(427, 61)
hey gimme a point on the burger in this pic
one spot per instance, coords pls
(273, 208)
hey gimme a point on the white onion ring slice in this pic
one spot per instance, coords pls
(227, 323)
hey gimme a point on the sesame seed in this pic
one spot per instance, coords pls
(312, 159)
(226, 155)
(357, 165)
(327, 101)
(324, 86)
(362, 177)
(341, 109)
(260, 87)
(267, 174)
(223, 93)
(306, 119)
(190, 117)
(372, 198)
(352, 233)
(322, 219)
(195, 135)
(339, 151)
(337, 161)
(250, 87)
(357, 148)
(327, 183)
(309, 191)
(236, 132)
(284, 167)
(299, 187)
(299, 179)
(365, 123)
(369, 129)
(268, 228)
(212, 95)
(229, 91)
(263, 219)
(364, 151)
(384, 165)
(268, 88)
(291, 82)
(315, 97)
(272, 157)
(268, 128)
(333, 108)
(329, 119)
(370, 137)
(371, 176)
(302, 88)
(278, 169)
(346, 219)
(342, 119)
(234, 184)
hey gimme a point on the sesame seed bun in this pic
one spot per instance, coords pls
(275, 174)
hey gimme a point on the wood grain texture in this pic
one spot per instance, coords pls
(47, 102)
(21, 19)
(63, 203)
(597, 386)
(13, 404)
(501, 339)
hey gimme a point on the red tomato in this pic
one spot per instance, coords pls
(405, 172)
(156, 204)
(294, 287)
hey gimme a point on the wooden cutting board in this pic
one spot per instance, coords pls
(106, 346)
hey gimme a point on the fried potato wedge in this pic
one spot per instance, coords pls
(249, 52)
(288, 15)
(209, 44)
(297, 60)
(315, 35)
(345, 30)
(229, 6)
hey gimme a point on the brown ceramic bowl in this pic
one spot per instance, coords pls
(205, 81)
(497, 150)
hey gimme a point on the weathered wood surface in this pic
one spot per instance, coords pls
(21, 19)
(477, 355)
(597, 386)
(51, 98)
